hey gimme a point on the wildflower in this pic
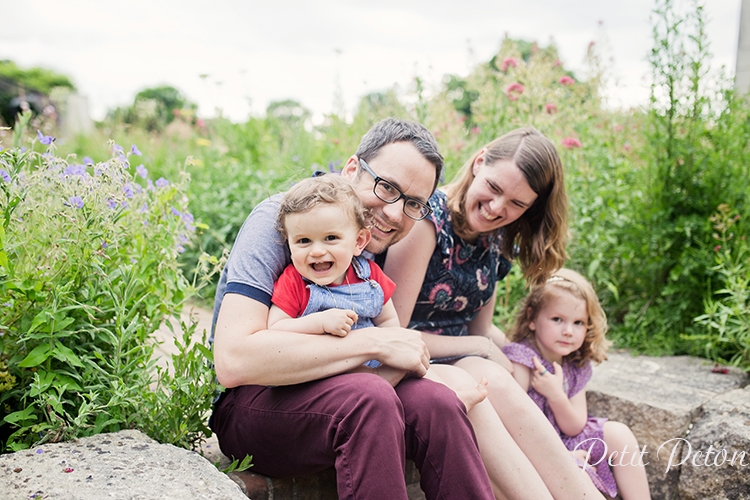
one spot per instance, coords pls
(144, 207)
(717, 248)
(571, 142)
(5, 176)
(475, 130)
(507, 63)
(514, 90)
(161, 182)
(75, 201)
(104, 245)
(566, 80)
(150, 185)
(188, 219)
(550, 108)
(44, 139)
(176, 212)
(87, 161)
(116, 148)
(142, 171)
(39, 451)
(75, 170)
(112, 204)
(134, 150)
(557, 63)
(128, 190)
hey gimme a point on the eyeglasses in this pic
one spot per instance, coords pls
(389, 193)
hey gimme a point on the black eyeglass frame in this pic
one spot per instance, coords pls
(378, 180)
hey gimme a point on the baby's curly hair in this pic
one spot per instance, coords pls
(329, 189)
(595, 345)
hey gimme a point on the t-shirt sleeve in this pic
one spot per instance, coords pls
(259, 254)
(582, 376)
(386, 283)
(290, 293)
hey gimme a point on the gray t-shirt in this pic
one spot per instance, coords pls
(257, 259)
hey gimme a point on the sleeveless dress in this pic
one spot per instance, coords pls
(575, 379)
(460, 277)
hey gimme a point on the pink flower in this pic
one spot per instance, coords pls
(514, 90)
(626, 146)
(508, 62)
(557, 63)
(717, 248)
(550, 108)
(475, 130)
(571, 142)
(566, 80)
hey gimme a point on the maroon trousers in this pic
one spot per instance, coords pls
(364, 428)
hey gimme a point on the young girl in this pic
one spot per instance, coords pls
(559, 331)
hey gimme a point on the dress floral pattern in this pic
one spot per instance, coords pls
(575, 379)
(460, 277)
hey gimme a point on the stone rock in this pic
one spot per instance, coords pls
(715, 460)
(659, 399)
(122, 465)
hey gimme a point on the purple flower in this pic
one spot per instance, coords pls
(4, 175)
(134, 150)
(128, 190)
(87, 161)
(141, 170)
(162, 182)
(44, 139)
(104, 244)
(176, 212)
(116, 148)
(76, 201)
(144, 207)
(75, 170)
(150, 185)
(111, 203)
(39, 451)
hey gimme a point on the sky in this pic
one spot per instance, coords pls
(238, 56)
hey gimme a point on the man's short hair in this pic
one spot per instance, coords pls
(393, 130)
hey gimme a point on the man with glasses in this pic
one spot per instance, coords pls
(289, 402)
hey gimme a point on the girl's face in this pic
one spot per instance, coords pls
(498, 195)
(323, 241)
(560, 326)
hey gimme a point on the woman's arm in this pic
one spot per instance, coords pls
(482, 326)
(406, 264)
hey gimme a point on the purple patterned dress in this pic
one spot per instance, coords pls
(575, 379)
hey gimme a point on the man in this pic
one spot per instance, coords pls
(290, 401)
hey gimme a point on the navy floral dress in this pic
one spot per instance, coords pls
(460, 277)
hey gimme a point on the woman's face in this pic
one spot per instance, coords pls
(498, 195)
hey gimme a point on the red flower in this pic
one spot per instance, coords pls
(550, 108)
(717, 248)
(571, 142)
(566, 80)
(508, 62)
(514, 90)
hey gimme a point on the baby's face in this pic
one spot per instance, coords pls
(323, 242)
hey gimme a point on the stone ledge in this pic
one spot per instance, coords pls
(668, 401)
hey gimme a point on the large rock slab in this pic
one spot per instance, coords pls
(715, 460)
(659, 399)
(122, 465)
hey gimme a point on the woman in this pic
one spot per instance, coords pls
(507, 203)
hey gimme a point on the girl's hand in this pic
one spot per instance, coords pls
(338, 321)
(548, 384)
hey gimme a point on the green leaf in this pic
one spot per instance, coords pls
(36, 357)
(24, 415)
(64, 353)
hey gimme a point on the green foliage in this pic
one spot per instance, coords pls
(34, 84)
(88, 271)
(154, 108)
(727, 317)
(237, 466)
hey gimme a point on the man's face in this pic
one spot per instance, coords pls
(401, 164)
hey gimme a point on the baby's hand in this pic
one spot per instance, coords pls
(548, 384)
(338, 321)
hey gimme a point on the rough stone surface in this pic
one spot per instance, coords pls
(660, 399)
(716, 455)
(122, 465)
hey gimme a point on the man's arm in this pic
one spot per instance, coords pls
(246, 352)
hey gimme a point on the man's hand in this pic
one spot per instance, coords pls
(399, 348)
(337, 321)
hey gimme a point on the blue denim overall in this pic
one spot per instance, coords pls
(366, 298)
